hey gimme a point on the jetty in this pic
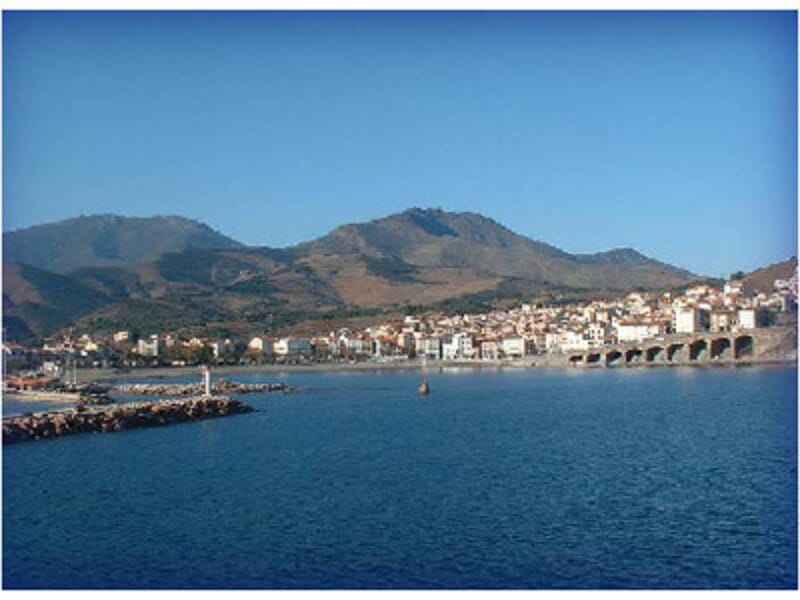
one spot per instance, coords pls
(48, 425)
(192, 389)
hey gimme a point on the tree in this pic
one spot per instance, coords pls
(203, 355)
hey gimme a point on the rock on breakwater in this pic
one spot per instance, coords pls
(186, 389)
(117, 418)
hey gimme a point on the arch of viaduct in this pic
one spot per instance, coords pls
(707, 348)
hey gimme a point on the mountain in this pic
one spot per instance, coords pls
(107, 240)
(419, 239)
(417, 259)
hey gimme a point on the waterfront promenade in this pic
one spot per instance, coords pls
(775, 345)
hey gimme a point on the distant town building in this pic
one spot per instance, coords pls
(722, 320)
(489, 350)
(513, 347)
(148, 346)
(635, 331)
(260, 345)
(429, 347)
(689, 319)
(748, 318)
(552, 341)
(456, 346)
(596, 334)
(406, 342)
(573, 340)
(735, 287)
(290, 346)
(699, 291)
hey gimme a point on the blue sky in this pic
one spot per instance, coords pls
(671, 132)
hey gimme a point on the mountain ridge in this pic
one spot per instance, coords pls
(436, 238)
(414, 258)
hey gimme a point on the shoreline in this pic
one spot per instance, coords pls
(87, 375)
(112, 377)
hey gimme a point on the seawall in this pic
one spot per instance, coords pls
(117, 418)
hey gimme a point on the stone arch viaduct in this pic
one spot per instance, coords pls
(682, 349)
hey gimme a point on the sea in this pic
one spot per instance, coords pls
(627, 478)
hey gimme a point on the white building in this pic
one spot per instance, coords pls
(148, 346)
(688, 319)
(630, 331)
(513, 347)
(747, 318)
(456, 346)
(572, 341)
(596, 334)
(552, 341)
(699, 291)
(733, 287)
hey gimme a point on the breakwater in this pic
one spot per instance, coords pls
(192, 389)
(117, 418)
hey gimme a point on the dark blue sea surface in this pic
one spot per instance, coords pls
(625, 478)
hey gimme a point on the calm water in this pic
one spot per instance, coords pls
(603, 479)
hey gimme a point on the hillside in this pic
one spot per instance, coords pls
(763, 279)
(408, 261)
(406, 244)
(35, 300)
(107, 240)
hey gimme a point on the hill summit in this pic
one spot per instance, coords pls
(433, 238)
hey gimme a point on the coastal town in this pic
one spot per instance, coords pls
(405, 298)
(526, 330)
